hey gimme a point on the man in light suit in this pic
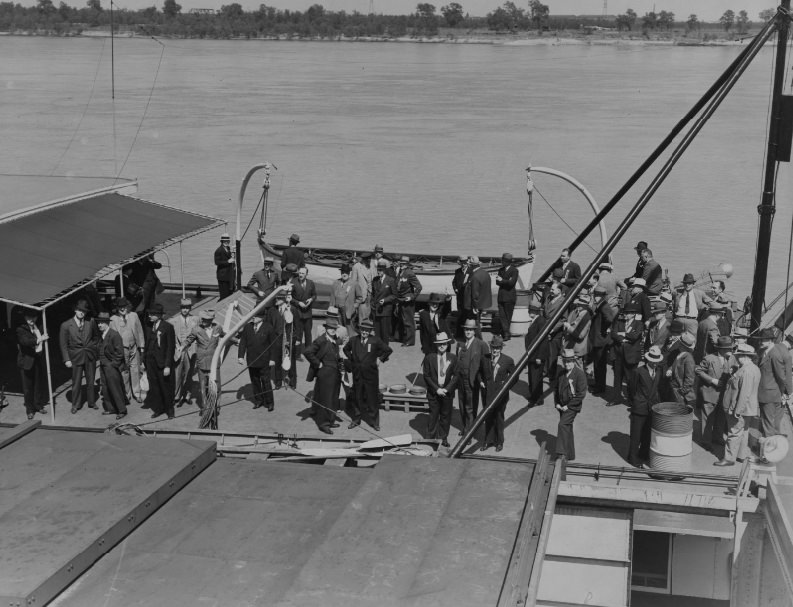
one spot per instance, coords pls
(158, 357)
(127, 324)
(473, 373)
(255, 349)
(501, 367)
(440, 377)
(224, 261)
(478, 293)
(506, 280)
(346, 296)
(79, 340)
(31, 341)
(206, 337)
(111, 360)
(184, 355)
(362, 275)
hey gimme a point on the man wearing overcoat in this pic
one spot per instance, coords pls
(159, 359)
(506, 280)
(365, 353)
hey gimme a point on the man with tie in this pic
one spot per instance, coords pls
(431, 322)
(127, 324)
(30, 359)
(383, 297)
(206, 337)
(473, 373)
(365, 353)
(346, 295)
(79, 339)
(645, 395)
(255, 349)
(571, 388)
(708, 332)
(438, 370)
(603, 315)
(506, 280)
(714, 372)
(224, 261)
(263, 282)
(159, 358)
(361, 277)
(501, 367)
(111, 360)
(689, 303)
(304, 293)
(408, 288)
(184, 355)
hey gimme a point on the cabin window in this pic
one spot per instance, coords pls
(651, 561)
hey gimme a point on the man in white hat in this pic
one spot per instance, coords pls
(438, 369)
(225, 264)
(741, 405)
(264, 281)
(638, 297)
(645, 395)
(206, 337)
(184, 355)
(570, 390)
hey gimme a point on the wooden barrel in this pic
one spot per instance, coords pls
(520, 315)
(671, 435)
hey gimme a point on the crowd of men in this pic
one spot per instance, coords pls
(664, 345)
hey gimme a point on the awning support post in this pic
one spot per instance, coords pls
(181, 269)
(47, 360)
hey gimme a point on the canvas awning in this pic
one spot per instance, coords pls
(52, 252)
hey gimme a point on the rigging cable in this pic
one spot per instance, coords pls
(550, 206)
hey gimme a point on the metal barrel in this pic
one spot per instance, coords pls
(672, 429)
(520, 315)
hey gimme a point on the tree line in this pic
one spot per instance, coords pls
(231, 21)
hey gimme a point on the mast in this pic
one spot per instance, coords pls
(767, 207)
(112, 56)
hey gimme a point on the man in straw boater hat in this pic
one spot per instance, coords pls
(431, 322)
(79, 340)
(127, 324)
(683, 371)
(325, 367)
(570, 388)
(438, 369)
(31, 341)
(740, 405)
(158, 359)
(255, 350)
(184, 356)
(224, 263)
(501, 367)
(506, 280)
(645, 395)
(365, 353)
(111, 361)
(473, 373)
(713, 371)
(206, 337)
(776, 384)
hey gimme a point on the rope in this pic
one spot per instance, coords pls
(252, 216)
(550, 206)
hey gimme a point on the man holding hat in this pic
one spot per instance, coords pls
(408, 288)
(714, 371)
(645, 395)
(506, 280)
(206, 337)
(264, 281)
(225, 262)
(362, 276)
(112, 360)
(158, 358)
(31, 341)
(473, 373)
(255, 349)
(478, 293)
(79, 340)
(365, 353)
(627, 338)
(683, 371)
(740, 405)
(570, 390)
(688, 303)
(127, 324)
(603, 315)
(383, 297)
(324, 359)
(292, 255)
(501, 367)
(776, 384)
(440, 377)
(431, 322)
(184, 354)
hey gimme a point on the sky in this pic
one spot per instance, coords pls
(706, 10)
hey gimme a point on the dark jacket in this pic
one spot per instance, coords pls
(26, 340)
(645, 390)
(506, 287)
(261, 282)
(602, 319)
(631, 342)
(572, 399)
(775, 375)
(498, 376)
(383, 289)
(408, 286)
(362, 359)
(225, 269)
(111, 351)
(429, 369)
(159, 351)
(543, 350)
(79, 346)
(477, 291)
(472, 363)
(256, 346)
(428, 331)
(682, 380)
(302, 293)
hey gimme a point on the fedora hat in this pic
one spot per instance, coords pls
(207, 315)
(103, 317)
(366, 255)
(473, 260)
(745, 350)
(436, 298)
(331, 323)
(469, 324)
(30, 312)
(766, 334)
(558, 273)
(291, 267)
(639, 282)
(366, 325)
(497, 342)
(462, 259)
(715, 306)
(382, 263)
(378, 248)
(506, 257)
(442, 338)
(185, 303)
(689, 279)
(269, 260)
(687, 341)
(404, 259)
(676, 327)
(599, 291)
(294, 238)
(658, 306)
(332, 312)
(122, 302)
(640, 246)
(631, 308)
(568, 354)
(345, 268)
(724, 343)
(156, 309)
(654, 355)
(581, 300)
(82, 306)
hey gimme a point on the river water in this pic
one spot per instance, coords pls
(418, 147)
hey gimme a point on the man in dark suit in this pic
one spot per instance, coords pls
(461, 275)
(570, 270)
(31, 341)
(281, 318)
(600, 337)
(158, 358)
(112, 359)
(224, 261)
(501, 367)
(255, 350)
(324, 357)
(473, 373)
(292, 255)
(79, 340)
(776, 384)
(263, 282)
(571, 387)
(626, 336)
(652, 273)
(365, 353)
(431, 322)
(408, 288)
(539, 360)
(440, 377)
(481, 296)
(383, 297)
(506, 280)
(645, 395)
(145, 275)
(304, 294)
